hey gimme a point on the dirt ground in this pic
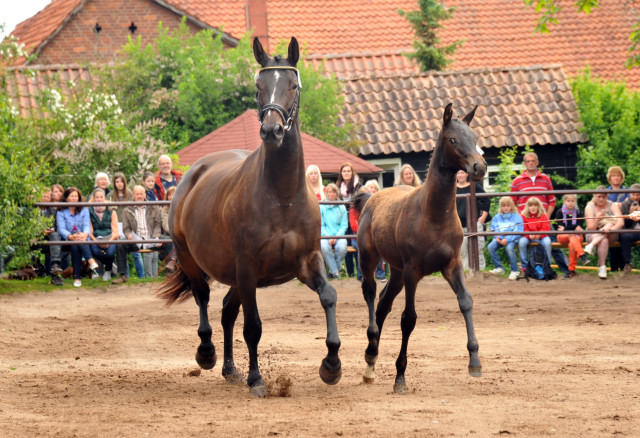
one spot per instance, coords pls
(559, 359)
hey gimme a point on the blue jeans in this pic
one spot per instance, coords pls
(105, 256)
(511, 254)
(77, 252)
(332, 259)
(524, 251)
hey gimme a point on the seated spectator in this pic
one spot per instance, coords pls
(334, 223)
(408, 177)
(482, 210)
(104, 228)
(568, 218)
(74, 225)
(505, 221)
(149, 182)
(52, 253)
(373, 186)
(139, 222)
(102, 182)
(314, 181)
(615, 176)
(536, 222)
(604, 216)
(121, 193)
(630, 207)
(169, 256)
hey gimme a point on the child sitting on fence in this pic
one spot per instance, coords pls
(569, 218)
(505, 221)
(535, 221)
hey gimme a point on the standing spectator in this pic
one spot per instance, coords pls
(536, 222)
(166, 177)
(139, 222)
(121, 193)
(104, 228)
(615, 176)
(314, 181)
(334, 223)
(604, 216)
(169, 255)
(408, 177)
(149, 182)
(463, 186)
(74, 225)
(569, 218)
(631, 206)
(354, 218)
(534, 180)
(52, 253)
(101, 182)
(505, 221)
(348, 185)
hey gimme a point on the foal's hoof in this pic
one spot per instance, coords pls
(258, 391)
(330, 376)
(369, 374)
(206, 362)
(475, 371)
(400, 388)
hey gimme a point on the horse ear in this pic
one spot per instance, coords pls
(448, 113)
(259, 53)
(467, 119)
(294, 52)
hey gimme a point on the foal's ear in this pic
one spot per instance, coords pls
(448, 113)
(294, 52)
(467, 119)
(259, 53)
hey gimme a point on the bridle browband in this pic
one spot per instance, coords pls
(287, 116)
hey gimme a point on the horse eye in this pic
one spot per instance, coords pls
(452, 140)
(294, 87)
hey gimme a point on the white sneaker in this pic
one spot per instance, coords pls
(497, 271)
(590, 249)
(514, 275)
(95, 275)
(602, 272)
(77, 283)
(106, 276)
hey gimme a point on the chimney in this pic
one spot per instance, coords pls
(256, 13)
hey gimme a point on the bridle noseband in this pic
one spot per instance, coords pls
(287, 116)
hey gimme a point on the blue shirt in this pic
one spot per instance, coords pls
(66, 221)
(334, 219)
(618, 197)
(507, 222)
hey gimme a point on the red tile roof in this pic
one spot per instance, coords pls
(244, 133)
(521, 106)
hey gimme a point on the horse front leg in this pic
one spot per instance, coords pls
(252, 329)
(314, 276)
(206, 353)
(407, 324)
(454, 274)
(230, 309)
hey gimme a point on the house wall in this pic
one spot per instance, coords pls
(79, 42)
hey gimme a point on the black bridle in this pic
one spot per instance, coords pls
(287, 116)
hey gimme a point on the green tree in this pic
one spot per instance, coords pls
(548, 9)
(426, 23)
(610, 113)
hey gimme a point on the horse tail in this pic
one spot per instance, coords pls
(176, 288)
(359, 201)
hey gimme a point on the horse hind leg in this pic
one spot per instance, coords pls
(454, 274)
(388, 294)
(407, 324)
(230, 310)
(206, 353)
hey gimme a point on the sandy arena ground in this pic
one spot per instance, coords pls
(559, 359)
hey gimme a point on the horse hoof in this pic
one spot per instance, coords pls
(369, 374)
(206, 362)
(368, 380)
(475, 371)
(400, 389)
(328, 375)
(258, 391)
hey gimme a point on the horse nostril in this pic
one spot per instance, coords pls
(278, 132)
(263, 133)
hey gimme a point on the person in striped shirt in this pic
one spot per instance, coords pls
(533, 180)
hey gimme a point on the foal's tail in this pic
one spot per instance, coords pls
(176, 288)
(359, 200)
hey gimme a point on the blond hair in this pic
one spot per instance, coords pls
(615, 170)
(400, 180)
(569, 196)
(532, 201)
(507, 200)
(319, 188)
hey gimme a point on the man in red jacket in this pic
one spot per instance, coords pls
(166, 177)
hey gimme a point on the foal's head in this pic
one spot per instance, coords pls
(278, 93)
(459, 145)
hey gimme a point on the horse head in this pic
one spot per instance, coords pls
(278, 94)
(459, 142)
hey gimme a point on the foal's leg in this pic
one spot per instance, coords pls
(454, 274)
(313, 275)
(407, 324)
(230, 310)
(388, 294)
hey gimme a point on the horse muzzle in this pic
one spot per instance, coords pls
(272, 134)
(477, 168)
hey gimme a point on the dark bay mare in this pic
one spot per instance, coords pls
(417, 231)
(248, 220)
